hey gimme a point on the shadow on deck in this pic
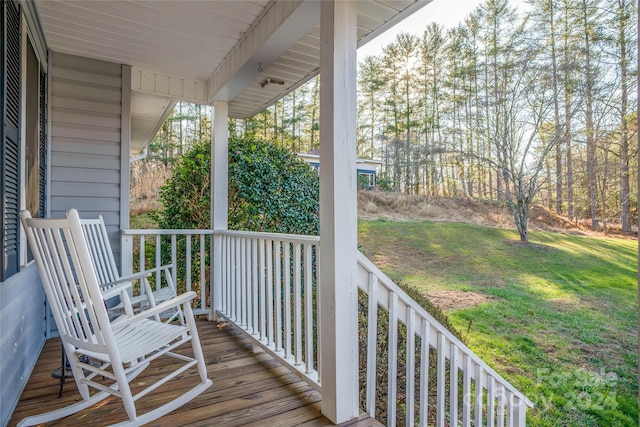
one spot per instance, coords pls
(248, 389)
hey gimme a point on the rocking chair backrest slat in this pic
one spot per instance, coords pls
(70, 280)
(97, 240)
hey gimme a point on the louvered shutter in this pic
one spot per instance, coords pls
(43, 145)
(10, 135)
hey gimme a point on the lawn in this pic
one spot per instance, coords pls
(559, 320)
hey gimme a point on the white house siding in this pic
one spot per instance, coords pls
(22, 334)
(86, 107)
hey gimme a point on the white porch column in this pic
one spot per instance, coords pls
(338, 220)
(219, 194)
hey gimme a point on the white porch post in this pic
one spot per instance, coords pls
(338, 220)
(219, 194)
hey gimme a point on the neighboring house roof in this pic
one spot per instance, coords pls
(313, 156)
(200, 51)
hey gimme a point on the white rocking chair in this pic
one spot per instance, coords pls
(95, 233)
(123, 348)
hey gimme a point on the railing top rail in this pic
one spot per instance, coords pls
(136, 232)
(296, 238)
(384, 280)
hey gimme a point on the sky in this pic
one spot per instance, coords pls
(447, 13)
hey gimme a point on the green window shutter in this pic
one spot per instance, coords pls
(10, 135)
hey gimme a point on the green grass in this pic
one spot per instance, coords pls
(143, 221)
(561, 324)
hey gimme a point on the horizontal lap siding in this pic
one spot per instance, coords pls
(86, 140)
(22, 326)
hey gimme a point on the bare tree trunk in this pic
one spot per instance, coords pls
(520, 213)
(567, 113)
(549, 192)
(591, 141)
(625, 208)
(556, 108)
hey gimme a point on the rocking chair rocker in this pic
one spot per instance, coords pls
(123, 347)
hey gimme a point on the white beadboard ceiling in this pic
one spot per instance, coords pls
(205, 41)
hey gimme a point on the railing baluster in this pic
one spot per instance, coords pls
(254, 285)
(520, 414)
(236, 280)
(297, 304)
(479, 394)
(501, 405)
(411, 366)
(441, 392)
(393, 360)
(278, 292)
(248, 283)
(263, 290)
(453, 385)
(425, 348)
(243, 282)
(158, 261)
(142, 260)
(466, 390)
(491, 416)
(510, 409)
(174, 258)
(203, 300)
(287, 300)
(227, 275)
(308, 306)
(187, 279)
(270, 329)
(213, 303)
(372, 343)
(318, 299)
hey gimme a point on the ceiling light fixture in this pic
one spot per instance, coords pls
(271, 80)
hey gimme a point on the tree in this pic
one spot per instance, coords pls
(432, 54)
(370, 83)
(589, 78)
(519, 108)
(546, 13)
(624, 43)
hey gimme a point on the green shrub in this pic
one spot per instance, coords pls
(270, 190)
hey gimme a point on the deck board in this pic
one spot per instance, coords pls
(249, 389)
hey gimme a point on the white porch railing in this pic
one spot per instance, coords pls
(187, 250)
(467, 391)
(269, 291)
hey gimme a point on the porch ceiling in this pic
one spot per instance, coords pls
(228, 47)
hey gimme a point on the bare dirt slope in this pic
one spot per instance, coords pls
(399, 207)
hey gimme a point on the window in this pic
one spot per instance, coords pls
(366, 180)
(32, 134)
(34, 141)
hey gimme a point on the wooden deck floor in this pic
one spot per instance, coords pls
(248, 390)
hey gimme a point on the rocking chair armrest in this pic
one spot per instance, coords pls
(125, 282)
(158, 309)
(112, 289)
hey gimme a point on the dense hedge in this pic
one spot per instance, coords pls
(270, 189)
